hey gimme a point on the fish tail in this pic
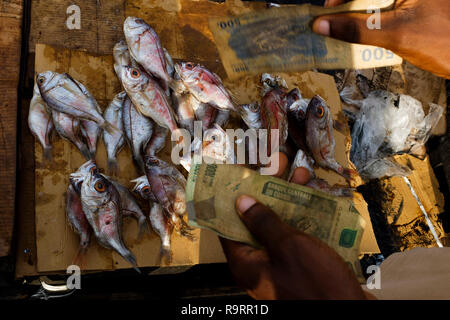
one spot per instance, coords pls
(84, 151)
(139, 162)
(144, 227)
(185, 230)
(80, 258)
(47, 153)
(165, 254)
(109, 127)
(128, 256)
(113, 167)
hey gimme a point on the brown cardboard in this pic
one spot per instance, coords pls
(57, 244)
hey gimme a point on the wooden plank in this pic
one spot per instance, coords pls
(10, 44)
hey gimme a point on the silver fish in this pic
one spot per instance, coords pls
(320, 139)
(64, 94)
(145, 47)
(69, 128)
(76, 178)
(102, 207)
(204, 85)
(114, 142)
(160, 223)
(40, 122)
(78, 221)
(148, 97)
(251, 114)
(168, 186)
(138, 131)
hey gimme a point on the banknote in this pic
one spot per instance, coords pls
(281, 39)
(212, 190)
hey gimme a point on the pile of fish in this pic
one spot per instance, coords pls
(305, 125)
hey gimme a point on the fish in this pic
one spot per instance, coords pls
(130, 207)
(204, 85)
(274, 116)
(204, 113)
(138, 131)
(296, 112)
(217, 145)
(78, 221)
(251, 115)
(102, 207)
(157, 141)
(64, 94)
(40, 123)
(183, 107)
(114, 142)
(122, 57)
(320, 139)
(148, 97)
(145, 47)
(168, 187)
(68, 128)
(158, 220)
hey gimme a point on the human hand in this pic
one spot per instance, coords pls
(292, 265)
(417, 30)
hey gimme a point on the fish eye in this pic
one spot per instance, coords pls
(146, 189)
(320, 111)
(253, 108)
(189, 66)
(99, 186)
(41, 79)
(135, 73)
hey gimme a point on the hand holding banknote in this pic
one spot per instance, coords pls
(416, 30)
(292, 265)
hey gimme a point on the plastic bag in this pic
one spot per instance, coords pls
(389, 124)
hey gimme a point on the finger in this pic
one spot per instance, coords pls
(353, 27)
(301, 176)
(245, 262)
(263, 223)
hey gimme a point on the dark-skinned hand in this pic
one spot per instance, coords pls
(292, 265)
(417, 30)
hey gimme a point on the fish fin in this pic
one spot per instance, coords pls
(340, 126)
(85, 151)
(113, 167)
(348, 174)
(47, 154)
(128, 256)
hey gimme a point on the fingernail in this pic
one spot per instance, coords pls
(323, 27)
(243, 203)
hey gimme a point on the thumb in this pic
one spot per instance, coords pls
(354, 28)
(263, 223)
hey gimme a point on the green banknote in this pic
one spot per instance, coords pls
(212, 190)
